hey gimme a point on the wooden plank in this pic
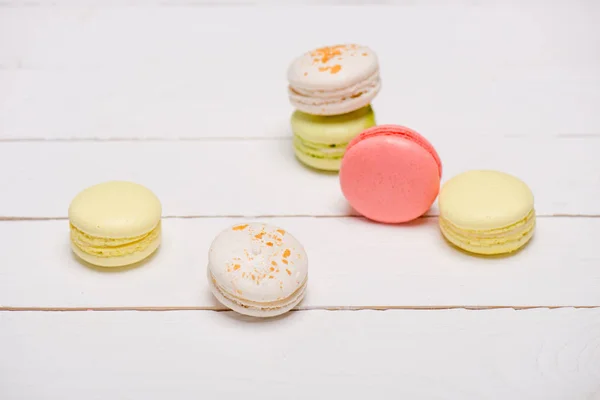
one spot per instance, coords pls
(81, 71)
(251, 178)
(420, 355)
(352, 263)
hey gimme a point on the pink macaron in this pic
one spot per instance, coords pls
(390, 174)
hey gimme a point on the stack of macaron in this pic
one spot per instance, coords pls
(388, 174)
(331, 89)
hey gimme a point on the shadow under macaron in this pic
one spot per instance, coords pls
(424, 219)
(232, 315)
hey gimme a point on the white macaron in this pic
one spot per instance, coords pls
(334, 80)
(257, 269)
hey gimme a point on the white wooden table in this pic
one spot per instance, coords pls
(190, 100)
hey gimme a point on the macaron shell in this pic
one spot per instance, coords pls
(333, 67)
(484, 199)
(389, 178)
(258, 262)
(321, 164)
(335, 129)
(115, 209)
(399, 131)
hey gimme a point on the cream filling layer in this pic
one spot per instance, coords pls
(271, 305)
(513, 233)
(111, 247)
(322, 97)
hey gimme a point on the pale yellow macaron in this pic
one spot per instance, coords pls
(486, 212)
(115, 223)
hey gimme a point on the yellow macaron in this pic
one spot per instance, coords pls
(115, 223)
(486, 212)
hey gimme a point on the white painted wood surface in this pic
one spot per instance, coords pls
(453, 354)
(353, 263)
(189, 99)
(489, 68)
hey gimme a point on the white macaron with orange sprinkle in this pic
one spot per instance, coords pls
(257, 269)
(334, 80)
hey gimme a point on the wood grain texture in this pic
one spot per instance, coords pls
(352, 263)
(420, 355)
(262, 177)
(463, 69)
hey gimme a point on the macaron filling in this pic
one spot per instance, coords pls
(319, 150)
(320, 97)
(112, 247)
(516, 233)
(264, 306)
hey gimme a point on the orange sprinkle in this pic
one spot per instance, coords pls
(253, 277)
(287, 253)
(273, 263)
(281, 231)
(259, 235)
(236, 267)
(271, 277)
(240, 227)
(332, 70)
(271, 269)
(270, 244)
(288, 271)
(327, 53)
(243, 274)
(285, 261)
(364, 54)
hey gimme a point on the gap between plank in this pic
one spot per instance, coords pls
(232, 138)
(299, 309)
(266, 216)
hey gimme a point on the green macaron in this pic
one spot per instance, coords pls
(320, 141)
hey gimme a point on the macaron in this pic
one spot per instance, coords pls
(257, 269)
(486, 212)
(334, 80)
(390, 174)
(320, 142)
(115, 223)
